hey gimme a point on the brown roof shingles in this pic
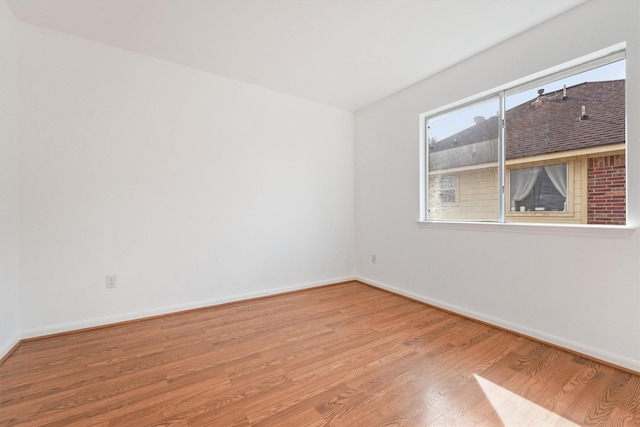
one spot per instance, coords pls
(552, 123)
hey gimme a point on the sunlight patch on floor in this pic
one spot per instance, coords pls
(515, 410)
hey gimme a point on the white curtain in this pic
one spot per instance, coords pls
(558, 175)
(522, 182)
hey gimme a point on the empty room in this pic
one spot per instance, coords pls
(319, 212)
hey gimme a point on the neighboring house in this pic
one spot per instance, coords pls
(565, 161)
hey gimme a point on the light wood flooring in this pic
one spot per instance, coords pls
(341, 355)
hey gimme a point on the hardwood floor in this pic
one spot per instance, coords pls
(342, 355)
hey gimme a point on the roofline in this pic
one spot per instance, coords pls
(617, 148)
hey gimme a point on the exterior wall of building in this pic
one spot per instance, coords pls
(607, 190)
(476, 196)
(596, 193)
(575, 194)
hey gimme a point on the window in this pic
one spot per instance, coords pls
(539, 188)
(464, 142)
(448, 189)
(551, 150)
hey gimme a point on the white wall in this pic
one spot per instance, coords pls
(9, 157)
(576, 288)
(196, 189)
(192, 188)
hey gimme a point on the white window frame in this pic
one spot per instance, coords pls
(594, 60)
(508, 173)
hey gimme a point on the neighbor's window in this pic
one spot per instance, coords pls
(539, 188)
(552, 150)
(448, 192)
(464, 142)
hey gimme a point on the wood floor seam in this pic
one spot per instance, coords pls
(347, 354)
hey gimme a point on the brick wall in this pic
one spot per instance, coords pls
(607, 190)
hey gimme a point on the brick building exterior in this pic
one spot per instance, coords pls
(581, 127)
(607, 190)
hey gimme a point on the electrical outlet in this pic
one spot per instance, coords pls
(112, 281)
(374, 258)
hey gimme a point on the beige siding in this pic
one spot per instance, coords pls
(574, 214)
(477, 196)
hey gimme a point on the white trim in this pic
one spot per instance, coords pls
(6, 347)
(576, 66)
(517, 328)
(583, 230)
(609, 54)
(552, 339)
(601, 57)
(424, 169)
(103, 321)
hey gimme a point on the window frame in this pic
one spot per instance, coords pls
(518, 215)
(603, 57)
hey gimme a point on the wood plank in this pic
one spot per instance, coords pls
(341, 355)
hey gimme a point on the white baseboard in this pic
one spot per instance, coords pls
(614, 359)
(102, 321)
(5, 348)
(605, 356)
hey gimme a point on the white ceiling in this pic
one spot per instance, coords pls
(345, 53)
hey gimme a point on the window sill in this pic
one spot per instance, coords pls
(559, 214)
(608, 231)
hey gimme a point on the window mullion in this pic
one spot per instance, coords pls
(577, 122)
(502, 158)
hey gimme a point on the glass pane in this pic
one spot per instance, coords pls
(539, 188)
(580, 118)
(463, 154)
